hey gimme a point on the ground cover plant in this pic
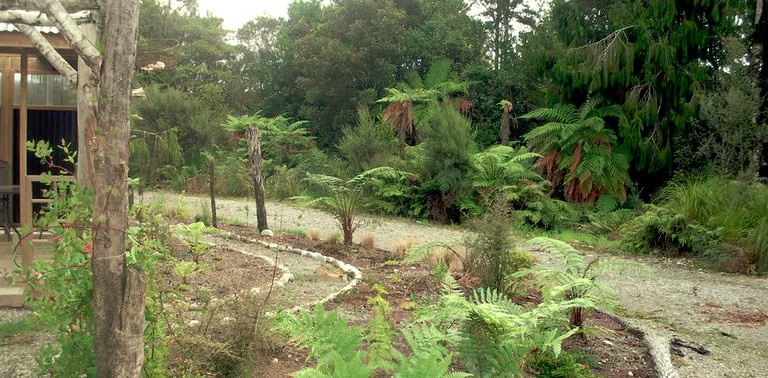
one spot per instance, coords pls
(716, 218)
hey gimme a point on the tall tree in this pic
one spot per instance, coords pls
(577, 150)
(649, 56)
(119, 289)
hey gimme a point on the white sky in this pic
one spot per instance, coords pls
(237, 12)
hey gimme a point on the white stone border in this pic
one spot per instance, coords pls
(352, 273)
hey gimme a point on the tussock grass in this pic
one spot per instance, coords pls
(737, 210)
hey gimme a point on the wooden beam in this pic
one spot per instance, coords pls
(32, 5)
(53, 57)
(25, 187)
(17, 39)
(38, 18)
(69, 29)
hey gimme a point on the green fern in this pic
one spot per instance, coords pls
(325, 335)
(577, 280)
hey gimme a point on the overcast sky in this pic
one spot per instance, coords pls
(237, 12)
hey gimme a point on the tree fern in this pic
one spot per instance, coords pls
(578, 147)
(577, 279)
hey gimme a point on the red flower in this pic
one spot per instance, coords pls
(88, 248)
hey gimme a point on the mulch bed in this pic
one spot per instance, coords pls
(614, 352)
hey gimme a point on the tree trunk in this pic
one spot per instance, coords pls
(401, 135)
(86, 111)
(118, 289)
(254, 158)
(347, 229)
(504, 131)
(212, 174)
(758, 58)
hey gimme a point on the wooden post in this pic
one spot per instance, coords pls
(212, 174)
(86, 109)
(25, 187)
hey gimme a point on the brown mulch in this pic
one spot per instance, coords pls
(613, 353)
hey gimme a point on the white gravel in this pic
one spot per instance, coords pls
(671, 298)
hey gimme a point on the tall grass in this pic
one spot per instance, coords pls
(737, 210)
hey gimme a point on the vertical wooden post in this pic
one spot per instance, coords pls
(86, 109)
(6, 118)
(212, 175)
(25, 188)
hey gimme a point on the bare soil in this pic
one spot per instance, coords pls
(670, 297)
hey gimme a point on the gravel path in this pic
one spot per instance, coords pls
(323, 278)
(673, 299)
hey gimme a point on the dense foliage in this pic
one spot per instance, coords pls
(570, 112)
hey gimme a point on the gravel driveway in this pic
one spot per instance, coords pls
(720, 312)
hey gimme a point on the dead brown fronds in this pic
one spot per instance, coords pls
(401, 247)
(453, 258)
(368, 242)
(314, 234)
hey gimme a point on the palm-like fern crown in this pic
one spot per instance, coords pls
(578, 147)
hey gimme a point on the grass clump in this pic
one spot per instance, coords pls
(713, 217)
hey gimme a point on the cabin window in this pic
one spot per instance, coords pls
(46, 90)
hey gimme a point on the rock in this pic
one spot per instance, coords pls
(227, 320)
(193, 323)
(630, 374)
(267, 233)
(606, 342)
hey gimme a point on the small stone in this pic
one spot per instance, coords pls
(275, 360)
(255, 290)
(606, 342)
(227, 320)
(630, 374)
(267, 233)
(193, 323)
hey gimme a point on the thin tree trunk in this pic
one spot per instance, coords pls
(347, 229)
(118, 289)
(401, 148)
(212, 174)
(254, 158)
(758, 57)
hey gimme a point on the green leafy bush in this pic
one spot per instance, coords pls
(698, 215)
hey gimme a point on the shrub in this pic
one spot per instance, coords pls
(232, 334)
(61, 289)
(698, 214)
(490, 250)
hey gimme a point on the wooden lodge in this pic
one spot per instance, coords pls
(36, 103)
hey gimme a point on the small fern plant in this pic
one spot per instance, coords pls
(576, 280)
(338, 347)
(495, 337)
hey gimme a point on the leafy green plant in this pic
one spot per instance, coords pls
(502, 171)
(338, 347)
(490, 250)
(497, 337)
(699, 215)
(578, 279)
(579, 151)
(61, 288)
(193, 237)
(344, 199)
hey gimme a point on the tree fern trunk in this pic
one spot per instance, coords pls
(212, 174)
